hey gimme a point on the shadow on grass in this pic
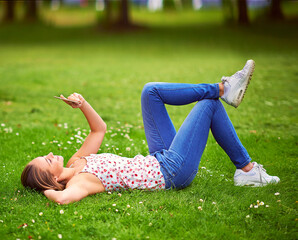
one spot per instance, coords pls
(261, 34)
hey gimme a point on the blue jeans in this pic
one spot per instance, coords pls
(179, 154)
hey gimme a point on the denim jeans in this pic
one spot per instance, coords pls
(179, 154)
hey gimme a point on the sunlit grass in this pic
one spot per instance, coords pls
(110, 69)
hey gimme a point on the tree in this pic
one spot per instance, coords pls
(242, 12)
(116, 15)
(9, 10)
(124, 19)
(31, 11)
(275, 10)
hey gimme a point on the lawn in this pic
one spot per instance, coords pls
(109, 69)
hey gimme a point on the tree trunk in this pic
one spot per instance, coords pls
(9, 10)
(242, 12)
(275, 10)
(31, 11)
(108, 12)
(124, 19)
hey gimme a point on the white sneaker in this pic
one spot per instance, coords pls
(236, 85)
(256, 177)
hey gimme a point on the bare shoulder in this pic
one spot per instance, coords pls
(72, 160)
(88, 181)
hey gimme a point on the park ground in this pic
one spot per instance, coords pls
(39, 61)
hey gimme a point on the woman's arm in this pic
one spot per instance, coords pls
(72, 194)
(97, 126)
(77, 188)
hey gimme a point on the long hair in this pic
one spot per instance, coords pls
(39, 180)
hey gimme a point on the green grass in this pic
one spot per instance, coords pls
(110, 69)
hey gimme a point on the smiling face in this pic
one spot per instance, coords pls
(51, 163)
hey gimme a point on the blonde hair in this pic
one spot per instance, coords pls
(40, 180)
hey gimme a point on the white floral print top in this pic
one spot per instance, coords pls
(120, 173)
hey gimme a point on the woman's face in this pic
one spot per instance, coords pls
(50, 162)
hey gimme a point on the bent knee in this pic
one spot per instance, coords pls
(148, 88)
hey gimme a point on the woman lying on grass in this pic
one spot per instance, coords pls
(174, 157)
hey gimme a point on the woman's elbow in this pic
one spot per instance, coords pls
(62, 201)
(104, 127)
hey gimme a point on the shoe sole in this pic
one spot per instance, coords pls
(250, 184)
(241, 92)
(253, 184)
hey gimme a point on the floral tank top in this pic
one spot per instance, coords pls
(120, 173)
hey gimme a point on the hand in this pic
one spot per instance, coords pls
(75, 97)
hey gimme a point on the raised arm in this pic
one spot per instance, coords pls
(97, 126)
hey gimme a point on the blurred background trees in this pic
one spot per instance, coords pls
(117, 13)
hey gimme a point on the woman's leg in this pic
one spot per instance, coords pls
(182, 159)
(159, 128)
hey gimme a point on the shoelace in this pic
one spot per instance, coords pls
(225, 80)
(238, 74)
(260, 168)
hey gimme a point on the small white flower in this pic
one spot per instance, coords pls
(33, 142)
(17, 134)
(247, 216)
(128, 206)
(59, 145)
(60, 236)
(114, 238)
(116, 210)
(128, 214)
(107, 145)
(278, 200)
(140, 202)
(276, 194)
(201, 200)
(258, 202)
(1, 221)
(109, 193)
(150, 224)
(81, 217)
(71, 138)
(114, 204)
(251, 206)
(256, 206)
(203, 168)
(200, 208)
(41, 213)
(2, 124)
(39, 237)
(119, 194)
(267, 205)
(61, 211)
(33, 220)
(214, 203)
(128, 149)
(261, 203)
(75, 213)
